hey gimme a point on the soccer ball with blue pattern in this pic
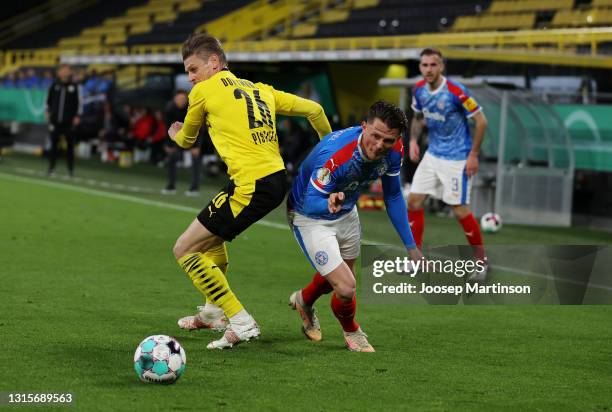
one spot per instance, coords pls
(159, 359)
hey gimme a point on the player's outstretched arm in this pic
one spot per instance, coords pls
(396, 209)
(416, 130)
(187, 134)
(471, 166)
(315, 204)
(291, 105)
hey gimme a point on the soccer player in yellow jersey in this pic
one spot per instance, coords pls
(240, 117)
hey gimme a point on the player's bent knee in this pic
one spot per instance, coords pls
(179, 249)
(345, 292)
(461, 211)
(415, 202)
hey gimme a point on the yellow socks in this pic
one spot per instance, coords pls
(208, 277)
(218, 255)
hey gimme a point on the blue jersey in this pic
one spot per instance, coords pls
(337, 164)
(446, 111)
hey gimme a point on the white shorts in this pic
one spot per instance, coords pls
(442, 179)
(326, 243)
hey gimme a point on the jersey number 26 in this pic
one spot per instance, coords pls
(264, 111)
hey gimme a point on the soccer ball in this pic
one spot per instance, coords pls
(491, 222)
(159, 359)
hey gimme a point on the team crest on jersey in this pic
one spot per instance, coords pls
(324, 176)
(470, 104)
(321, 258)
(441, 103)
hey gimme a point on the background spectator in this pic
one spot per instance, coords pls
(63, 111)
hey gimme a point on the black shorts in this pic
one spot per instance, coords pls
(235, 208)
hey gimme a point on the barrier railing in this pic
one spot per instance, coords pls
(528, 46)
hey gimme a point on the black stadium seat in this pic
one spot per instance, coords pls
(401, 17)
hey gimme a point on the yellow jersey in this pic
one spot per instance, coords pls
(241, 120)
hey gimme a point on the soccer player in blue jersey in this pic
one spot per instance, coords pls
(324, 219)
(451, 161)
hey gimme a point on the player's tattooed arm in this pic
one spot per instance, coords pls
(417, 126)
(416, 130)
(471, 166)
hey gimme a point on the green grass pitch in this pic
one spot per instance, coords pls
(86, 276)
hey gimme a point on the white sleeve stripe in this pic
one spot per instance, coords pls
(317, 187)
(394, 174)
(473, 113)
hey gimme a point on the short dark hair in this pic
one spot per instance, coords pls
(203, 45)
(389, 114)
(430, 51)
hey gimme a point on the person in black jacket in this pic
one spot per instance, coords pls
(64, 107)
(176, 110)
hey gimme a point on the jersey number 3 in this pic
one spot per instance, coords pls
(264, 111)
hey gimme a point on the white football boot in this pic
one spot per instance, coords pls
(236, 333)
(204, 320)
(479, 275)
(357, 341)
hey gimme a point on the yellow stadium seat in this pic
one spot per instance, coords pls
(505, 6)
(601, 3)
(333, 16)
(102, 30)
(165, 17)
(304, 30)
(362, 4)
(189, 5)
(582, 18)
(115, 38)
(80, 42)
(255, 19)
(140, 28)
(495, 22)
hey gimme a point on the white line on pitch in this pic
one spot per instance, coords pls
(119, 196)
(188, 209)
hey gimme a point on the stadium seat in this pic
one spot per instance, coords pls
(392, 17)
(495, 22)
(187, 20)
(582, 18)
(505, 6)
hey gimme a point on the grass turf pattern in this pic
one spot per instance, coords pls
(86, 277)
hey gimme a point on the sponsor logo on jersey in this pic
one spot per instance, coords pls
(433, 115)
(382, 168)
(470, 105)
(351, 187)
(324, 176)
(321, 258)
(335, 135)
